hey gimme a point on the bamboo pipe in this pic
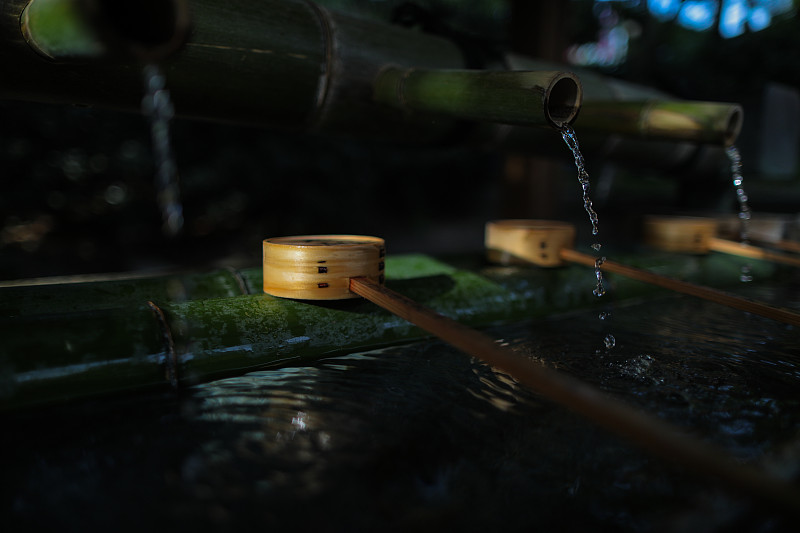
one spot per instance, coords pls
(657, 437)
(548, 243)
(280, 63)
(286, 64)
(628, 148)
(701, 122)
(541, 98)
(64, 30)
(697, 235)
(292, 269)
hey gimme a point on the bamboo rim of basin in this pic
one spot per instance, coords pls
(319, 267)
(522, 241)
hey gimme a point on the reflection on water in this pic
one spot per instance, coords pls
(422, 437)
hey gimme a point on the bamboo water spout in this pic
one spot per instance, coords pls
(525, 98)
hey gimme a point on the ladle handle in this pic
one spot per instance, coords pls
(754, 252)
(651, 433)
(700, 291)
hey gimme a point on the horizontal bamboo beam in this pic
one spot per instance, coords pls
(280, 63)
(288, 64)
(701, 122)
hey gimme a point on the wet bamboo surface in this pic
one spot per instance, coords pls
(657, 437)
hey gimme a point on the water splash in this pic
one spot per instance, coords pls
(744, 208)
(157, 106)
(571, 139)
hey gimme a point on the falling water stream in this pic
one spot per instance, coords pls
(744, 208)
(157, 106)
(569, 136)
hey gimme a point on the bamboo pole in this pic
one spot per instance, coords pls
(701, 122)
(71, 294)
(281, 63)
(753, 252)
(789, 246)
(655, 436)
(532, 98)
(148, 30)
(736, 302)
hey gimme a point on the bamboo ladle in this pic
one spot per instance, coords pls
(697, 235)
(330, 267)
(549, 243)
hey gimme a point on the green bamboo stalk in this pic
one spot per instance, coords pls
(94, 292)
(281, 63)
(701, 122)
(79, 29)
(703, 146)
(526, 98)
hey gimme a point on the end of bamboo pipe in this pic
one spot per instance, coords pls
(525, 98)
(702, 122)
(146, 30)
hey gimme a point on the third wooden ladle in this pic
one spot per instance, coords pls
(549, 243)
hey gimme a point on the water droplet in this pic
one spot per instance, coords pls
(745, 276)
(596, 246)
(604, 315)
(610, 341)
(744, 209)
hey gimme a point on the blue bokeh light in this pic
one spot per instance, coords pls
(698, 15)
(734, 16)
(664, 9)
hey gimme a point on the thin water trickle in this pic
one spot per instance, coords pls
(744, 208)
(568, 134)
(571, 139)
(157, 106)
